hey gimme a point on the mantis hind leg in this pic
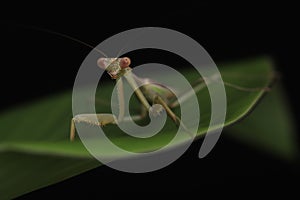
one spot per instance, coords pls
(200, 84)
(171, 114)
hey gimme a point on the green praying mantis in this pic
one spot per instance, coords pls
(150, 94)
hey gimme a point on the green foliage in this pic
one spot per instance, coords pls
(35, 150)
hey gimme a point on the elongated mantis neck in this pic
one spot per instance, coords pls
(129, 77)
(120, 93)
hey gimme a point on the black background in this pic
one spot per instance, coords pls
(35, 64)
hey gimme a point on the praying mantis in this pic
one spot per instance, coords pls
(151, 94)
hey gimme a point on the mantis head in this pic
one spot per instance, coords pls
(114, 66)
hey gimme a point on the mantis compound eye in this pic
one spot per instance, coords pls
(125, 62)
(101, 62)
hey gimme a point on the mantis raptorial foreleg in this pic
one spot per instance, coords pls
(101, 120)
(104, 119)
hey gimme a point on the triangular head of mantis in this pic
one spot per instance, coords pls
(115, 67)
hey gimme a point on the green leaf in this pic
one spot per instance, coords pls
(270, 127)
(34, 142)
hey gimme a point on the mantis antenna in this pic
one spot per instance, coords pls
(66, 36)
